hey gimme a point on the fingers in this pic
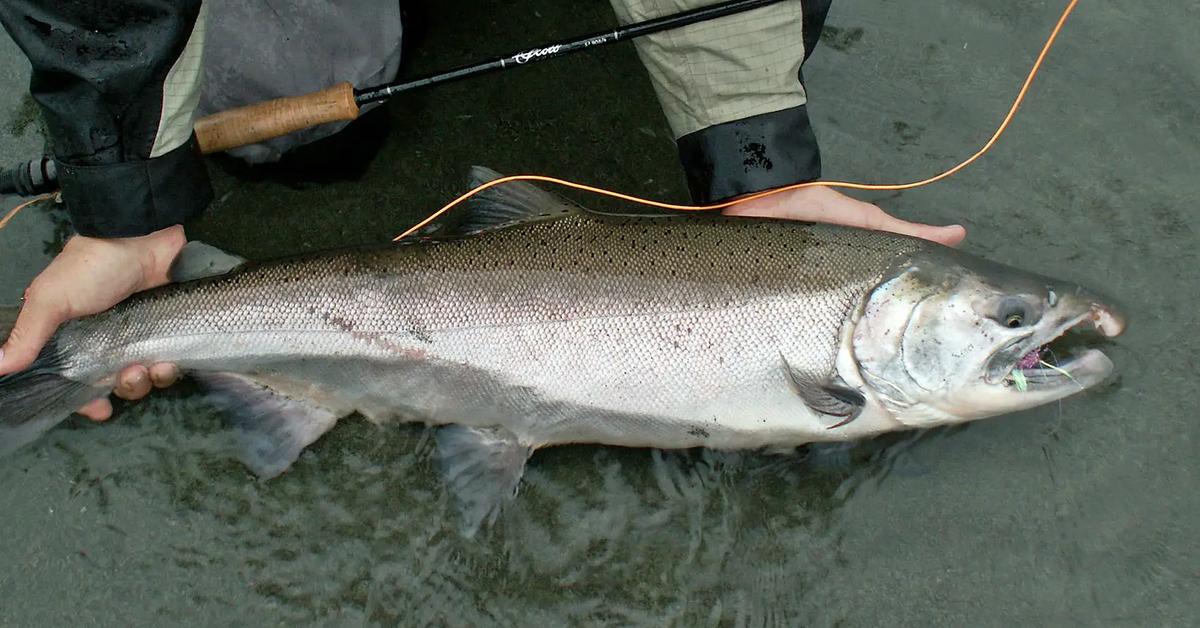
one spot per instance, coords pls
(136, 381)
(951, 235)
(821, 204)
(130, 385)
(98, 410)
(133, 383)
(164, 374)
(40, 316)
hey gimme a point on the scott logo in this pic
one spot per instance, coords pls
(522, 57)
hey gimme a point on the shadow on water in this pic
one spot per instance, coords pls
(362, 524)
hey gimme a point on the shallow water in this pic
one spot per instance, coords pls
(1080, 513)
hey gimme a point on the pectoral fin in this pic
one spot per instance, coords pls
(827, 395)
(273, 424)
(483, 467)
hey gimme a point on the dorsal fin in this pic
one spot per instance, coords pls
(504, 205)
(197, 260)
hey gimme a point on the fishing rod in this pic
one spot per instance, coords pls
(269, 119)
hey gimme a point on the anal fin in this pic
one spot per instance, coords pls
(273, 423)
(483, 467)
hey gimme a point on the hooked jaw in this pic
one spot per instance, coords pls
(1108, 321)
(1047, 364)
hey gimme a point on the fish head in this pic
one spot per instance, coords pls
(949, 337)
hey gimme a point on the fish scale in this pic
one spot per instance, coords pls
(524, 322)
(650, 315)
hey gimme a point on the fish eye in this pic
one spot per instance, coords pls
(1013, 313)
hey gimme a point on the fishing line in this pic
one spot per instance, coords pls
(843, 184)
(265, 120)
(12, 213)
(680, 207)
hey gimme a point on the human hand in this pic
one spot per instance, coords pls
(824, 204)
(89, 276)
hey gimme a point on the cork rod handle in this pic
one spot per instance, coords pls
(273, 118)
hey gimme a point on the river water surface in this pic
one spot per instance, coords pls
(1079, 513)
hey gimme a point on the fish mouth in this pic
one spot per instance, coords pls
(1062, 357)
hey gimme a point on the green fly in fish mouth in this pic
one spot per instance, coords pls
(1038, 363)
(981, 342)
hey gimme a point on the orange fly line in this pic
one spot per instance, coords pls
(843, 184)
(644, 201)
(12, 213)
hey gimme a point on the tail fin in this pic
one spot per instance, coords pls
(38, 398)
